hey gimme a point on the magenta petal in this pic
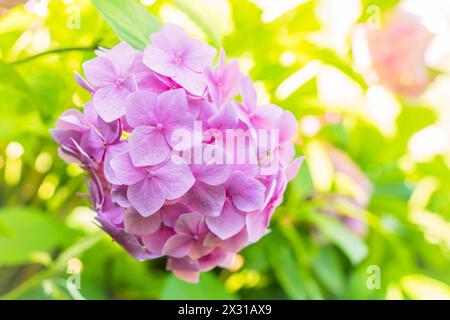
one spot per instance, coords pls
(205, 199)
(148, 147)
(247, 194)
(109, 102)
(146, 197)
(140, 109)
(124, 170)
(229, 223)
(174, 180)
(139, 225)
(178, 246)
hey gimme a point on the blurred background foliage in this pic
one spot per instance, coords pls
(372, 199)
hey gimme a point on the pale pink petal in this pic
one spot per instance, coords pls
(171, 213)
(136, 224)
(205, 199)
(178, 246)
(293, 168)
(140, 109)
(247, 194)
(287, 124)
(124, 170)
(174, 180)
(99, 72)
(148, 146)
(109, 102)
(122, 57)
(192, 81)
(229, 223)
(199, 55)
(155, 242)
(160, 61)
(146, 197)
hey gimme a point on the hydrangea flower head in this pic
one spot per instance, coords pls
(162, 142)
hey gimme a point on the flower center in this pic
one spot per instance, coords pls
(119, 81)
(177, 60)
(149, 173)
(159, 126)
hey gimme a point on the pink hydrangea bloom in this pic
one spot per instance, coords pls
(398, 54)
(151, 191)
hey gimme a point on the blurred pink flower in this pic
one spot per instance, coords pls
(398, 53)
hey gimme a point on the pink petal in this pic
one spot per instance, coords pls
(122, 57)
(174, 180)
(293, 168)
(189, 224)
(124, 170)
(126, 240)
(248, 93)
(146, 196)
(112, 152)
(257, 223)
(136, 224)
(99, 72)
(109, 102)
(199, 55)
(184, 268)
(192, 81)
(178, 246)
(140, 109)
(171, 213)
(247, 194)
(204, 199)
(155, 242)
(148, 146)
(287, 124)
(171, 38)
(266, 115)
(229, 223)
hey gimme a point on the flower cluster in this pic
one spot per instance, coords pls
(150, 191)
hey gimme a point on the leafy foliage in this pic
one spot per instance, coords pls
(312, 252)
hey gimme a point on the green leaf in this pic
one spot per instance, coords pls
(287, 271)
(130, 21)
(329, 270)
(208, 288)
(204, 19)
(353, 247)
(29, 231)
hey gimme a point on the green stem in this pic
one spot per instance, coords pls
(55, 268)
(56, 51)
